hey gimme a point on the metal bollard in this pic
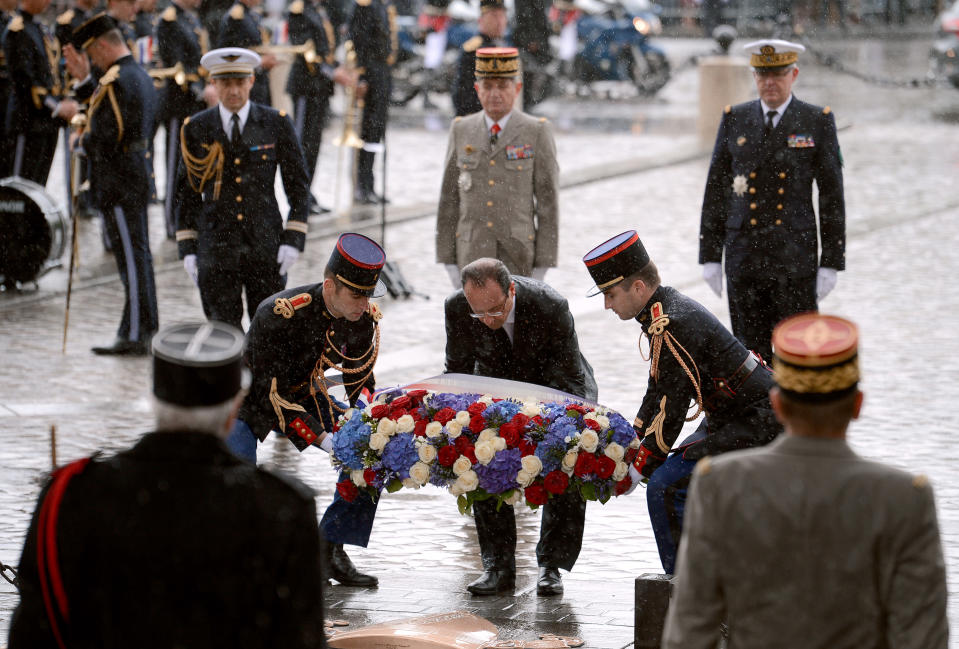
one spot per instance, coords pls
(652, 601)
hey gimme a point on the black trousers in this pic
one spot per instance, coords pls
(373, 125)
(222, 279)
(560, 534)
(309, 118)
(172, 127)
(129, 234)
(32, 154)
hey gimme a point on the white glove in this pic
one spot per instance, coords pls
(327, 443)
(713, 274)
(539, 273)
(454, 273)
(826, 280)
(286, 257)
(636, 477)
(189, 265)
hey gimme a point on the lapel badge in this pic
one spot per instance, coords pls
(741, 140)
(740, 185)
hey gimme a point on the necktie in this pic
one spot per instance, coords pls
(494, 134)
(235, 136)
(769, 120)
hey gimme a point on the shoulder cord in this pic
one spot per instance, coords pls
(657, 333)
(200, 170)
(107, 91)
(318, 377)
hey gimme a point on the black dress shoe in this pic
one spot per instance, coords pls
(340, 568)
(364, 197)
(550, 582)
(316, 208)
(493, 581)
(122, 347)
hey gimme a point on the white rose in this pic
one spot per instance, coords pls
(487, 399)
(484, 452)
(499, 443)
(378, 441)
(589, 415)
(427, 453)
(568, 472)
(405, 424)
(524, 478)
(462, 465)
(463, 418)
(469, 481)
(410, 483)
(530, 409)
(589, 440)
(420, 473)
(386, 426)
(603, 421)
(569, 460)
(434, 429)
(356, 475)
(513, 497)
(532, 465)
(635, 442)
(453, 429)
(349, 414)
(486, 435)
(614, 451)
(620, 471)
(456, 489)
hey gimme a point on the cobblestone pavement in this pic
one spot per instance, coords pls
(903, 226)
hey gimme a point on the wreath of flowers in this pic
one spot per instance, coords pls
(478, 447)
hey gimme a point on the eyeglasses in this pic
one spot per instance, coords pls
(492, 314)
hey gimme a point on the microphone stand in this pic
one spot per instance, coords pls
(392, 276)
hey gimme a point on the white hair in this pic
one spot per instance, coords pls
(204, 419)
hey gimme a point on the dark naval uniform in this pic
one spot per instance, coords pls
(6, 146)
(116, 141)
(310, 85)
(758, 208)
(227, 214)
(240, 27)
(292, 341)
(180, 39)
(373, 31)
(465, 100)
(32, 54)
(545, 351)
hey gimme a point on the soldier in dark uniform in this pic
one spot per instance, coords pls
(180, 39)
(145, 22)
(8, 10)
(69, 21)
(531, 36)
(492, 28)
(373, 31)
(230, 234)
(241, 27)
(695, 361)
(310, 83)
(174, 542)
(295, 336)
(517, 328)
(116, 140)
(758, 208)
(123, 13)
(38, 106)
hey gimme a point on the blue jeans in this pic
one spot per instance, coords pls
(242, 442)
(666, 499)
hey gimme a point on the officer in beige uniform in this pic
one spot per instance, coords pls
(499, 196)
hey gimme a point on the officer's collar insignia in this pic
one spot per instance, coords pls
(375, 312)
(286, 306)
(740, 185)
(741, 140)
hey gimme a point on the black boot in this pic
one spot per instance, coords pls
(337, 564)
(493, 581)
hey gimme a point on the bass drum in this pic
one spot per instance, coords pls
(32, 231)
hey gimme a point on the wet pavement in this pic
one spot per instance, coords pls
(626, 163)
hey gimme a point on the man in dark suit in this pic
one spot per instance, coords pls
(492, 28)
(517, 328)
(803, 543)
(230, 234)
(8, 9)
(758, 202)
(120, 120)
(174, 542)
(241, 26)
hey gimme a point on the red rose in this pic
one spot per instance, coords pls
(556, 482)
(520, 420)
(510, 433)
(396, 414)
(347, 490)
(605, 466)
(527, 447)
(444, 416)
(465, 447)
(477, 424)
(380, 411)
(537, 420)
(369, 475)
(419, 429)
(592, 423)
(536, 494)
(623, 485)
(448, 455)
(476, 408)
(400, 402)
(577, 407)
(585, 464)
(416, 394)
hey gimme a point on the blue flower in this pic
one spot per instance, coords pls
(623, 432)
(351, 442)
(450, 400)
(500, 412)
(400, 454)
(500, 474)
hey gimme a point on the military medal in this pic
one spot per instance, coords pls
(465, 181)
(740, 185)
(469, 148)
(741, 140)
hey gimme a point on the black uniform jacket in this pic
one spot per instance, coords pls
(771, 211)
(29, 49)
(289, 334)
(181, 39)
(465, 99)
(240, 27)
(116, 140)
(177, 543)
(545, 350)
(307, 21)
(246, 212)
(373, 31)
(712, 354)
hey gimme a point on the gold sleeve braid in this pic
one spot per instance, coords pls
(657, 334)
(200, 170)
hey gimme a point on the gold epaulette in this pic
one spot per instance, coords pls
(200, 170)
(826, 110)
(920, 481)
(66, 17)
(287, 306)
(237, 12)
(112, 74)
(186, 121)
(473, 44)
(728, 109)
(374, 312)
(457, 118)
(105, 90)
(169, 14)
(282, 113)
(364, 3)
(16, 23)
(296, 7)
(543, 119)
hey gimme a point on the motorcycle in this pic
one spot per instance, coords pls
(944, 53)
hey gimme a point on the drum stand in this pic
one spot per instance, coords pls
(392, 276)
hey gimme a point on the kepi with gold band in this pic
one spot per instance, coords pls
(357, 261)
(230, 62)
(614, 260)
(92, 29)
(815, 357)
(497, 63)
(773, 53)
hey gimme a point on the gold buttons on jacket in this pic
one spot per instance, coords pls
(752, 206)
(519, 167)
(752, 190)
(781, 191)
(236, 161)
(752, 174)
(492, 163)
(239, 199)
(779, 221)
(239, 217)
(489, 203)
(263, 156)
(779, 207)
(489, 224)
(752, 221)
(492, 182)
(782, 174)
(239, 180)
